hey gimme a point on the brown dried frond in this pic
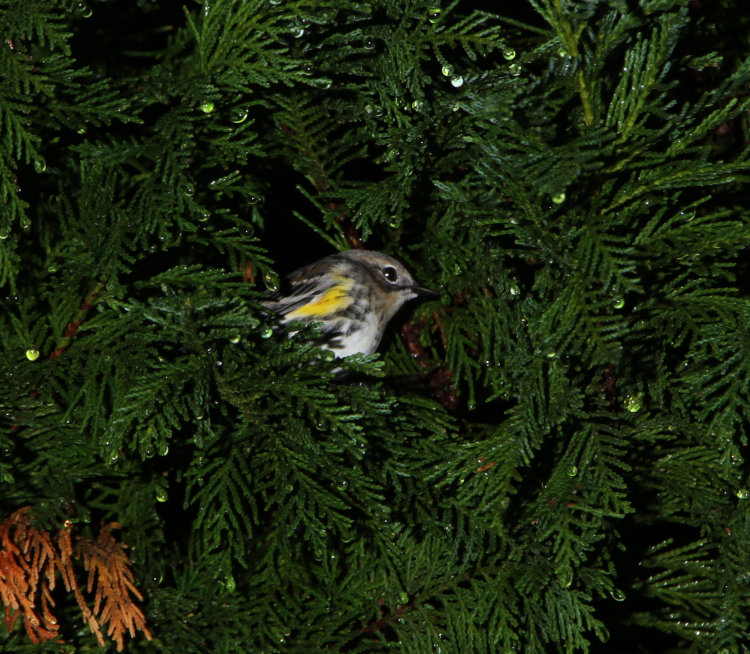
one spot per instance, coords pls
(28, 561)
(109, 573)
(71, 583)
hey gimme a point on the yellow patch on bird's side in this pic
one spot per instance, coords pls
(334, 299)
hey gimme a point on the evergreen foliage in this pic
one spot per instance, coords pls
(551, 458)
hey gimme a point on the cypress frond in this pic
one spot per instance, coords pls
(549, 458)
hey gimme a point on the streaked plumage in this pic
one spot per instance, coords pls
(353, 294)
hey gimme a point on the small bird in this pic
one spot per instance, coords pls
(353, 294)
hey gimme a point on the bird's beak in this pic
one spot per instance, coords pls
(426, 293)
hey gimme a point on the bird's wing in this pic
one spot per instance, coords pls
(306, 284)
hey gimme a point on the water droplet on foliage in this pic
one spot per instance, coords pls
(298, 32)
(447, 71)
(618, 303)
(271, 280)
(457, 81)
(240, 116)
(633, 402)
(32, 354)
(342, 485)
(329, 355)
(743, 493)
(515, 68)
(572, 471)
(617, 595)
(368, 44)
(207, 107)
(4, 233)
(162, 449)
(559, 198)
(403, 597)
(81, 130)
(275, 3)
(266, 333)
(40, 165)
(235, 339)
(230, 584)
(84, 10)
(161, 494)
(434, 14)
(509, 54)
(417, 105)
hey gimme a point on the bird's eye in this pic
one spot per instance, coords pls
(391, 274)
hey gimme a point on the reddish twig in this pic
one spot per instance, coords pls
(382, 623)
(72, 329)
(609, 384)
(440, 382)
(347, 227)
(248, 273)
